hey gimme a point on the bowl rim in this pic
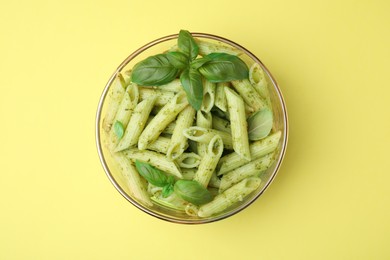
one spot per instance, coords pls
(162, 216)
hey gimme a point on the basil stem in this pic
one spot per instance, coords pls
(191, 81)
(223, 67)
(154, 71)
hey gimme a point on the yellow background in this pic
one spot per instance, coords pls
(331, 198)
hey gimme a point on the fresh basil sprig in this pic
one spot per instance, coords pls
(163, 68)
(156, 177)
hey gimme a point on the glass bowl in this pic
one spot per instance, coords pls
(113, 173)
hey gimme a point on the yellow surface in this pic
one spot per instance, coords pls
(331, 199)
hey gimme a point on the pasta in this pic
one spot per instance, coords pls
(125, 110)
(134, 181)
(220, 99)
(209, 161)
(249, 94)
(204, 135)
(250, 169)
(115, 96)
(257, 149)
(229, 197)
(239, 126)
(208, 96)
(166, 115)
(136, 124)
(178, 141)
(166, 144)
(156, 159)
(203, 119)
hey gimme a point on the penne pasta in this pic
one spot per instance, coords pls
(166, 115)
(160, 145)
(188, 160)
(220, 98)
(208, 95)
(249, 94)
(173, 86)
(209, 161)
(156, 159)
(258, 149)
(238, 122)
(203, 119)
(221, 124)
(230, 196)
(250, 169)
(163, 97)
(125, 110)
(114, 98)
(178, 142)
(259, 82)
(136, 124)
(136, 185)
(204, 135)
(206, 48)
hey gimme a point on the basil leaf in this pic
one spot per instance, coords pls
(118, 129)
(191, 81)
(260, 124)
(187, 44)
(192, 192)
(151, 174)
(224, 67)
(178, 60)
(167, 190)
(154, 71)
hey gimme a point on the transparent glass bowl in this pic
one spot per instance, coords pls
(280, 123)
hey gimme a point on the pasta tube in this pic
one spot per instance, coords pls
(136, 124)
(249, 94)
(125, 110)
(155, 159)
(208, 95)
(166, 115)
(134, 181)
(230, 196)
(115, 95)
(168, 130)
(221, 124)
(163, 97)
(259, 82)
(188, 160)
(203, 135)
(220, 99)
(174, 86)
(257, 149)
(160, 145)
(206, 47)
(239, 126)
(203, 119)
(248, 170)
(209, 161)
(179, 143)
